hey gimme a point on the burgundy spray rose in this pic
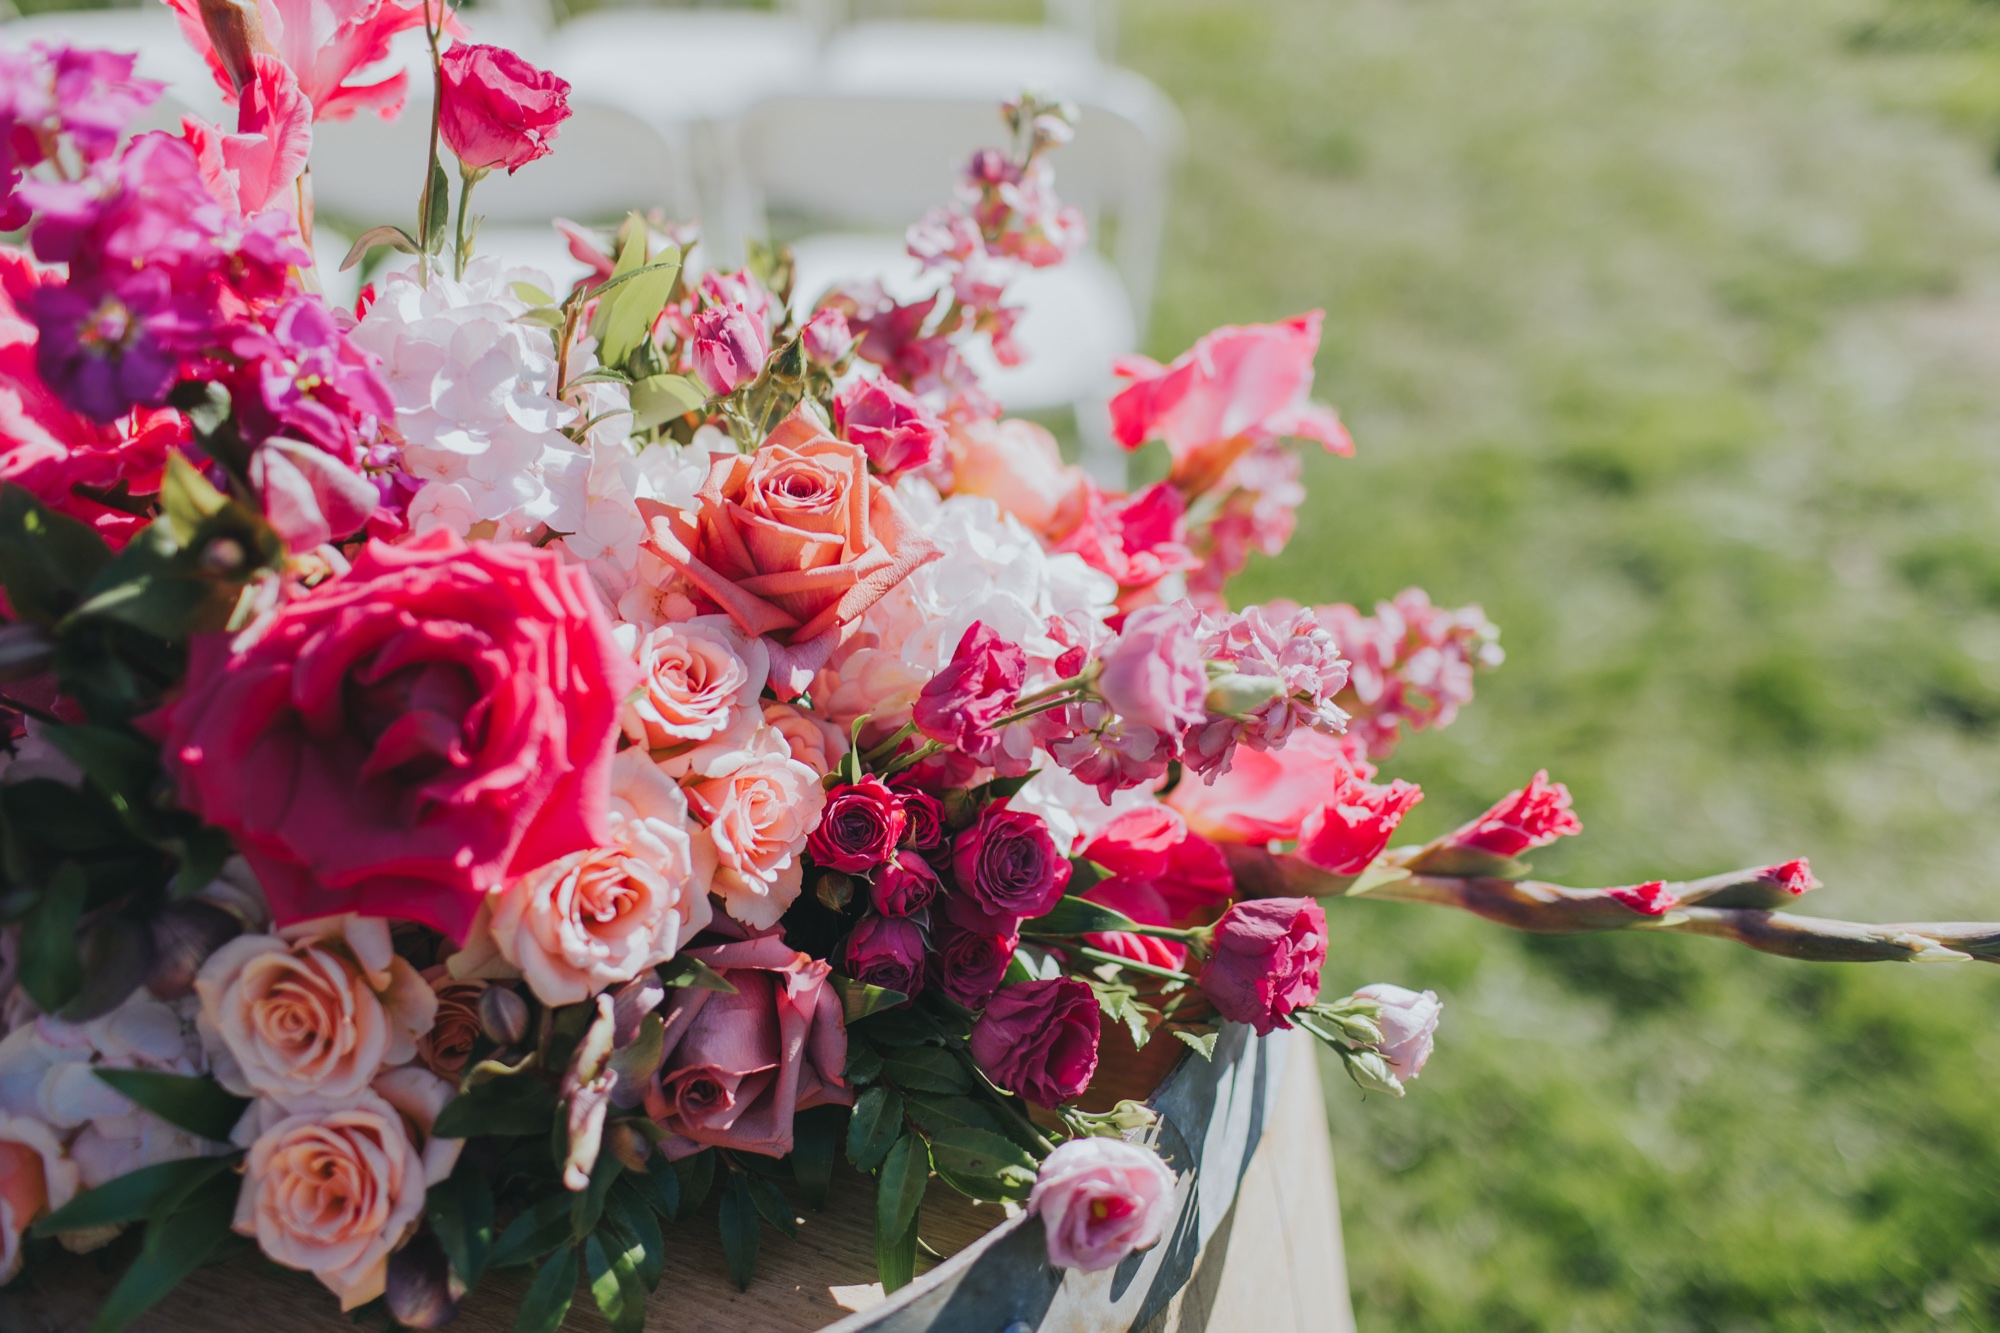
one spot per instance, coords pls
(1039, 1039)
(923, 823)
(904, 886)
(1008, 865)
(860, 829)
(498, 110)
(969, 964)
(1266, 961)
(887, 951)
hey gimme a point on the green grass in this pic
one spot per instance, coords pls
(1669, 332)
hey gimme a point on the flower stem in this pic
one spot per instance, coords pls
(1105, 956)
(1001, 1099)
(432, 27)
(877, 754)
(462, 250)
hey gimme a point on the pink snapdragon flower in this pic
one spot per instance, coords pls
(1101, 1200)
(1252, 382)
(1532, 817)
(327, 44)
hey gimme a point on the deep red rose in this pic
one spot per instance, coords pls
(406, 736)
(904, 886)
(860, 829)
(1008, 865)
(1534, 816)
(498, 110)
(886, 951)
(969, 964)
(1266, 961)
(980, 685)
(1039, 1039)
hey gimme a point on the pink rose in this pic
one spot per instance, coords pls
(1267, 795)
(898, 433)
(904, 886)
(593, 919)
(738, 1067)
(758, 820)
(1348, 831)
(1251, 382)
(446, 1047)
(498, 110)
(316, 1016)
(729, 348)
(980, 685)
(862, 824)
(1155, 673)
(969, 964)
(1039, 1039)
(826, 338)
(1408, 1020)
(401, 739)
(1100, 1200)
(1265, 961)
(886, 951)
(698, 686)
(1534, 816)
(1160, 875)
(1017, 465)
(794, 542)
(812, 740)
(35, 1180)
(1008, 866)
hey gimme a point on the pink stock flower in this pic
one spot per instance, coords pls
(961, 705)
(1155, 673)
(1106, 751)
(728, 349)
(499, 110)
(1408, 1021)
(1267, 795)
(1251, 382)
(1532, 817)
(1648, 899)
(1039, 1039)
(326, 44)
(898, 433)
(1354, 823)
(860, 828)
(1008, 866)
(1100, 1200)
(1794, 877)
(1137, 539)
(408, 735)
(1283, 674)
(886, 951)
(904, 885)
(55, 96)
(826, 338)
(739, 1066)
(1160, 874)
(1260, 494)
(1410, 664)
(1266, 961)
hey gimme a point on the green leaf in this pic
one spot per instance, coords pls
(614, 1283)
(816, 1140)
(773, 1206)
(697, 1174)
(858, 999)
(394, 237)
(122, 765)
(51, 970)
(135, 1195)
(201, 1106)
(978, 1153)
(434, 222)
(661, 398)
(1202, 1043)
(900, 1187)
(547, 1302)
(864, 1065)
(625, 318)
(933, 1114)
(46, 559)
(895, 1256)
(738, 1220)
(533, 295)
(1000, 789)
(587, 1205)
(926, 1069)
(533, 1233)
(662, 1187)
(627, 1206)
(1074, 916)
(688, 971)
(523, 1104)
(460, 1208)
(174, 1247)
(872, 1129)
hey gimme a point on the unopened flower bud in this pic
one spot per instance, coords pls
(834, 891)
(184, 935)
(25, 651)
(629, 1144)
(224, 555)
(422, 1291)
(1233, 694)
(1126, 1117)
(503, 1015)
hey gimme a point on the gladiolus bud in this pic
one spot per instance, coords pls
(422, 1291)
(503, 1015)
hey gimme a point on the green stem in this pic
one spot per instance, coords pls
(913, 758)
(462, 250)
(1000, 1099)
(431, 30)
(878, 753)
(1105, 956)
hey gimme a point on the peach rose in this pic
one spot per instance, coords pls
(1017, 465)
(793, 542)
(313, 1013)
(869, 680)
(35, 1179)
(448, 1045)
(758, 818)
(333, 1187)
(812, 740)
(595, 919)
(698, 691)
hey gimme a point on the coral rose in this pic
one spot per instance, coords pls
(1100, 1200)
(594, 919)
(35, 1179)
(313, 1017)
(813, 740)
(404, 737)
(793, 542)
(758, 820)
(739, 1066)
(498, 110)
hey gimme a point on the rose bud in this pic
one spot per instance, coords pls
(895, 430)
(923, 819)
(1039, 1039)
(729, 348)
(184, 935)
(1265, 960)
(1008, 865)
(503, 1015)
(827, 338)
(904, 886)
(448, 1045)
(498, 110)
(969, 964)
(1346, 834)
(423, 1291)
(887, 951)
(1100, 1200)
(859, 830)
(1534, 816)
(962, 704)
(1408, 1020)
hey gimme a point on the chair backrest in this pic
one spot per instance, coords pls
(879, 161)
(1095, 21)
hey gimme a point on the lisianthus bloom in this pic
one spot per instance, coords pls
(325, 46)
(728, 348)
(887, 951)
(1008, 866)
(963, 703)
(739, 1066)
(408, 735)
(498, 110)
(1408, 1021)
(794, 542)
(1532, 817)
(1100, 1200)
(1039, 1039)
(860, 828)
(898, 433)
(1265, 961)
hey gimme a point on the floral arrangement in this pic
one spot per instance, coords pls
(487, 770)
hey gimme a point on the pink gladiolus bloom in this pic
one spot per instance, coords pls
(1137, 539)
(1534, 816)
(1253, 381)
(326, 43)
(1648, 899)
(1100, 1200)
(1794, 877)
(1161, 874)
(1267, 795)
(255, 168)
(1350, 829)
